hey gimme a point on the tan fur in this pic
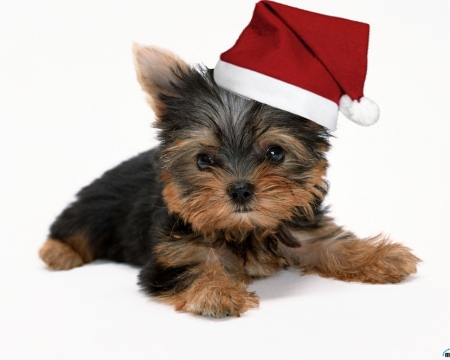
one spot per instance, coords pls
(336, 253)
(213, 293)
(154, 67)
(73, 252)
(80, 243)
(171, 195)
(192, 142)
(261, 265)
(179, 253)
(214, 285)
(296, 149)
(373, 260)
(276, 198)
(60, 256)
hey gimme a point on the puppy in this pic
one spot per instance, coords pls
(233, 193)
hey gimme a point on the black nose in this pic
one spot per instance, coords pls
(241, 193)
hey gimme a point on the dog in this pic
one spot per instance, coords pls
(234, 192)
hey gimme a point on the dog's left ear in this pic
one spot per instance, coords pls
(157, 70)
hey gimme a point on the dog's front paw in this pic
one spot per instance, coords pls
(395, 263)
(218, 300)
(214, 293)
(379, 262)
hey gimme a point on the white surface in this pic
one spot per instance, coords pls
(70, 108)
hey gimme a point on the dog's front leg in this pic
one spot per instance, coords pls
(331, 251)
(197, 278)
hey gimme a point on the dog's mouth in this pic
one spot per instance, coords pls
(243, 210)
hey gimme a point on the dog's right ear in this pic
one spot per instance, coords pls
(157, 71)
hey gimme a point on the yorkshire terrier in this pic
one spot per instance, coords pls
(233, 193)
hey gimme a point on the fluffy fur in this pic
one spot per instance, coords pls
(234, 192)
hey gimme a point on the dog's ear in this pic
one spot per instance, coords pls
(157, 70)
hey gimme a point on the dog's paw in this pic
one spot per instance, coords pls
(395, 264)
(59, 256)
(214, 294)
(219, 301)
(382, 262)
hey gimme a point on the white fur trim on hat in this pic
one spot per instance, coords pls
(282, 95)
(363, 111)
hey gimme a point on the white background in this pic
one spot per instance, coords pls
(70, 108)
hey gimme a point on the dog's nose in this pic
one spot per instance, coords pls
(241, 193)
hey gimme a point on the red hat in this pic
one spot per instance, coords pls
(306, 63)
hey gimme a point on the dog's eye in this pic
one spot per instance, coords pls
(204, 161)
(275, 154)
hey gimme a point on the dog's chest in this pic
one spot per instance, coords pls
(260, 262)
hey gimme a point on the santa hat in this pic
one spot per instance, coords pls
(306, 63)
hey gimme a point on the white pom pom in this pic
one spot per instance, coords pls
(363, 112)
